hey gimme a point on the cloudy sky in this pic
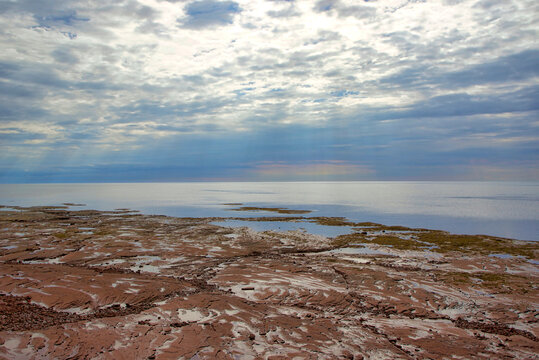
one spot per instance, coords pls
(157, 90)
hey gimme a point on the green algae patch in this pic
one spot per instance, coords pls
(395, 242)
(342, 221)
(446, 242)
(499, 282)
(346, 240)
(386, 240)
(271, 209)
(269, 218)
(61, 235)
(441, 242)
(105, 231)
(332, 221)
(395, 228)
(22, 216)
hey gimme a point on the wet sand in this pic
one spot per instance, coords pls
(121, 285)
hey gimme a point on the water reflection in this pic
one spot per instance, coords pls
(509, 209)
(282, 226)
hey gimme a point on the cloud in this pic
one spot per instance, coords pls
(209, 14)
(343, 10)
(64, 55)
(398, 87)
(519, 66)
(67, 18)
(283, 9)
(318, 170)
(462, 104)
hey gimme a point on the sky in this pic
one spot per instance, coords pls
(268, 90)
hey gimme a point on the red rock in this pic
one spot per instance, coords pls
(259, 295)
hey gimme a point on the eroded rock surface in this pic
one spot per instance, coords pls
(119, 285)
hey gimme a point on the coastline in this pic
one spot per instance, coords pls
(505, 209)
(148, 286)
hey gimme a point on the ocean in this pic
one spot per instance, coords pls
(506, 209)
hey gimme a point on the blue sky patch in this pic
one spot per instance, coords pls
(209, 13)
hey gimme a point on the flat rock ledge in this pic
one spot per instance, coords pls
(120, 285)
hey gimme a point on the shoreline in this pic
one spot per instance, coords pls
(379, 292)
(496, 209)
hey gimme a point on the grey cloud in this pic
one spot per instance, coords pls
(488, 4)
(515, 67)
(288, 11)
(40, 8)
(333, 73)
(285, 13)
(65, 55)
(148, 17)
(328, 35)
(463, 104)
(48, 76)
(68, 18)
(357, 11)
(144, 12)
(520, 66)
(18, 137)
(325, 35)
(24, 88)
(300, 74)
(128, 9)
(47, 13)
(149, 27)
(182, 111)
(16, 109)
(8, 68)
(113, 14)
(222, 71)
(198, 80)
(39, 74)
(325, 5)
(402, 5)
(64, 15)
(17, 91)
(404, 40)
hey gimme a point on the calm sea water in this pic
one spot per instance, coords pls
(509, 209)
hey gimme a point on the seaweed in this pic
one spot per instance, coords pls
(499, 282)
(278, 210)
(443, 242)
(482, 244)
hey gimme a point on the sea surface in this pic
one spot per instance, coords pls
(507, 209)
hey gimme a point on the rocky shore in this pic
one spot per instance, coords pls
(85, 284)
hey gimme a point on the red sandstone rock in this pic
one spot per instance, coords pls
(153, 287)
